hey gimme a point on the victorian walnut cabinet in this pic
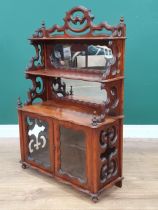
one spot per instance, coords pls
(75, 138)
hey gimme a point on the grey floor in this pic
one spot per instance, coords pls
(27, 189)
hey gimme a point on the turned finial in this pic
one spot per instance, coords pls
(94, 119)
(71, 91)
(43, 24)
(19, 103)
(121, 20)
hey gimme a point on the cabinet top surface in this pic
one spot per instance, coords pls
(60, 112)
(78, 25)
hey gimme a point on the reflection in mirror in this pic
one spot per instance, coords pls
(98, 57)
(38, 143)
(72, 153)
(90, 91)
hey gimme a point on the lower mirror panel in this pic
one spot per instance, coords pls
(73, 153)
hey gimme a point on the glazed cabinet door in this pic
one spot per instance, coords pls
(38, 139)
(73, 153)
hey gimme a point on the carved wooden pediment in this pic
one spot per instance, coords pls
(79, 22)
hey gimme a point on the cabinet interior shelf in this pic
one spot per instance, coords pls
(72, 74)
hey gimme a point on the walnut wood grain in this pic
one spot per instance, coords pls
(63, 113)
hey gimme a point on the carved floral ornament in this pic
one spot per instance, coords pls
(79, 20)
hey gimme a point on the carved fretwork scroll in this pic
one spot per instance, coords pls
(81, 16)
(109, 154)
(112, 66)
(58, 87)
(112, 103)
(37, 62)
(37, 91)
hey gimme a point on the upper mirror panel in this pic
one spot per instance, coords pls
(83, 56)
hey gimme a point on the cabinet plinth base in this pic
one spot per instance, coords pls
(93, 196)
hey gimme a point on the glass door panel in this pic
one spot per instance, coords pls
(37, 141)
(73, 153)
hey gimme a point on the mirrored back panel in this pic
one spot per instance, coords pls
(88, 91)
(86, 96)
(93, 56)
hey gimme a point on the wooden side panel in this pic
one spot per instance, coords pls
(107, 159)
(95, 160)
(121, 148)
(21, 133)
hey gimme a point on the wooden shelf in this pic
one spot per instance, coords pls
(72, 74)
(69, 38)
(61, 112)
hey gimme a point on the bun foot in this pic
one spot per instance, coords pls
(95, 198)
(24, 166)
(119, 184)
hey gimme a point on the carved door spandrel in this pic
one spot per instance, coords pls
(37, 142)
